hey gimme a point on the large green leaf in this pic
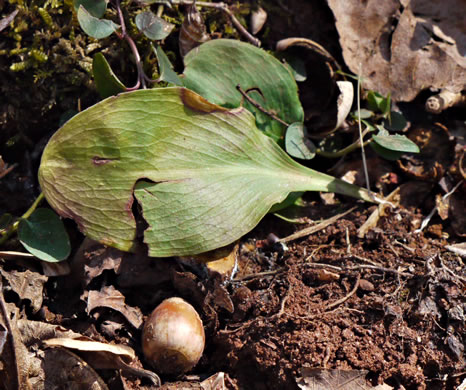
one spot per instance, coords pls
(202, 174)
(215, 68)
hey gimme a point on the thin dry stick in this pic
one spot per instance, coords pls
(358, 268)
(345, 298)
(462, 278)
(6, 315)
(259, 107)
(14, 255)
(282, 304)
(322, 225)
(373, 219)
(257, 275)
(5, 169)
(363, 153)
(427, 219)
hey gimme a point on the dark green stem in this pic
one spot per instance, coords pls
(355, 145)
(14, 227)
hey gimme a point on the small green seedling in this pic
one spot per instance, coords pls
(380, 121)
(40, 231)
(90, 16)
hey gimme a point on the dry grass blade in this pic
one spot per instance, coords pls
(312, 229)
(377, 213)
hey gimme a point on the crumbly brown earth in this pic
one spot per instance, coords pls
(391, 302)
(382, 304)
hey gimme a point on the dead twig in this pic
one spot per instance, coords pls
(282, 304)
(346, 297)
(315, 228)
(443, 100)
(358, 268)
(412, 250)
(456, 276)
(257, 275)
(377, 213)
(366, 260)
(5, 169)
(427, 219)
(258, 106)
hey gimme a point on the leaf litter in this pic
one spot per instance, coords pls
(391, 303)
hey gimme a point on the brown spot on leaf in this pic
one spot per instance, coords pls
(198, 103)
(102, 160)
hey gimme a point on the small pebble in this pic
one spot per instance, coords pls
(365, 285)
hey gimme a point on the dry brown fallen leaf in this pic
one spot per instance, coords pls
(258, 19)
(85, 344)
(222, 260)
(404, 46)
(15, 363)
(105, 356)
(459, 249)
(110, 297)
(62, 366)
(28, 285)
(323, 379)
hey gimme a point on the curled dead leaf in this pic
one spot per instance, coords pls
(258, 19)
(62, 366)
(405, 47)
(325, 100)
(85, 344)
(110, 297)
(28, 285)
(193, 31)
(436, 156)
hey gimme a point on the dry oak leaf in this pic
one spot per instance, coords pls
(404, 46)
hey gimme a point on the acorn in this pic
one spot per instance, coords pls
(173, 337)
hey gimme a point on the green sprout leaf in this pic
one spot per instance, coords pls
(363, 114)
(152, 26)
(385, 153)
(5, 220)
(379, 103)
(166, 68)
(106, 82)
(94, 27)
(203, 175)
(297, 143)
(96, 8)
(43, 235)
(396, 143)
(385, 106)
(395, 122)
(216, 67)
(297, 66)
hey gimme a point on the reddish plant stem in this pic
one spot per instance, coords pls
(137, 58)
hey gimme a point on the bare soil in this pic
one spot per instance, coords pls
(391, 302)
